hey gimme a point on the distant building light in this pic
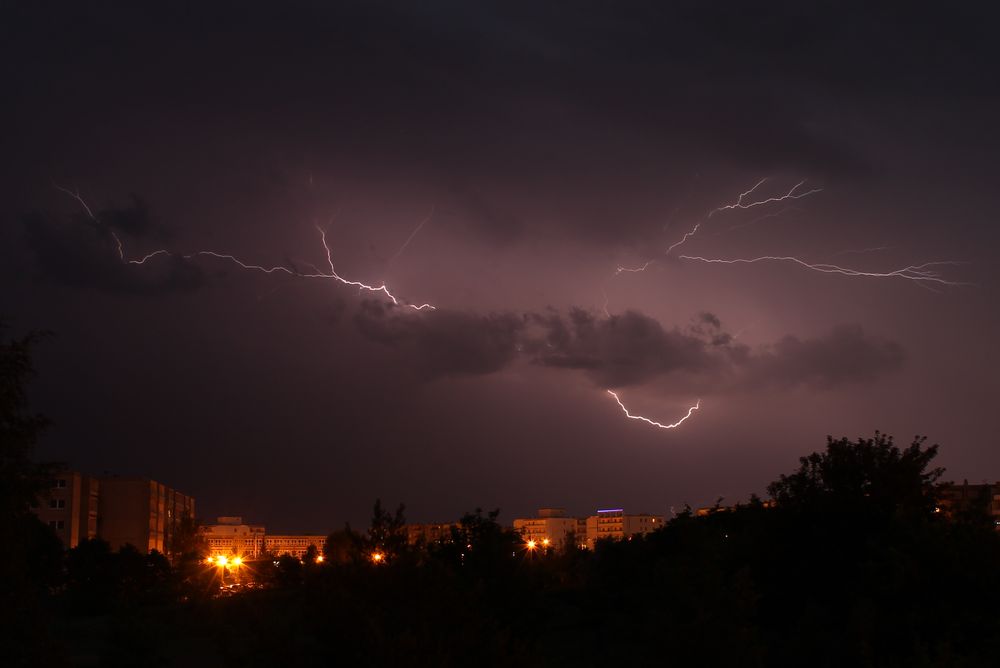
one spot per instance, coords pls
(611, 510)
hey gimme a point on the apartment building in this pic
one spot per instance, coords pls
(232, 536)
(70, 507)
(123, 511)
(140, 512)
(552, 528)
(956, 499)
(615, 524)
(294, 544)
(429, 533)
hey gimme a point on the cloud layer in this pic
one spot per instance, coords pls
(627, 349)
(79, 251)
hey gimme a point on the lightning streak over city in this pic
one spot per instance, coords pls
(659, 425)
(383, 288)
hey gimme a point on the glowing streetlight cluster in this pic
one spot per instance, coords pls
(222, 561)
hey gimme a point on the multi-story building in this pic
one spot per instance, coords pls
(231, 536)
(953, 500)
(429, 533)
(70, 507)
(552, 528)
(140, 512)
(613, 523)
(294, 544)
(133, 511)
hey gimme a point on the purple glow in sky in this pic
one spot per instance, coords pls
(574, 193)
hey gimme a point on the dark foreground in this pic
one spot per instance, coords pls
(854, 565)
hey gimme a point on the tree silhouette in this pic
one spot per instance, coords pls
(30, 553)
(344, 546)
(387, 533)
(870, 474)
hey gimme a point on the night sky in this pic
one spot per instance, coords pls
(537, 149)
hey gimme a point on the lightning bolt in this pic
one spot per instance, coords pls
(332, 275)
(920, 273)
(792, 194)
(412, 234)
(864, 251)
(740, 204)
(660, 425)
(633, 270)
(684, 238)
(75, 194)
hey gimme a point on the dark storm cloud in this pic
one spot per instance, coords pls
(596, 111)
(443, 343)
(844, 355)
(82, 252)
(627, 349)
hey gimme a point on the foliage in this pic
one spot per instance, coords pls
(872, 475)
(387, 534)
(846, 565)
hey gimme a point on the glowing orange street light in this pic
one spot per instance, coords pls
(209, 561)
(531, 545)
(238, 561)
(378, 557)
(319, 559)
(545, 542)
(221, 560)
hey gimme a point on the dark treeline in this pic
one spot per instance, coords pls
(848, 563)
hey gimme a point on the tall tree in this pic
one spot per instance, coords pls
(870, 474)
(387, 534)
(23, 480)
(30, 553)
